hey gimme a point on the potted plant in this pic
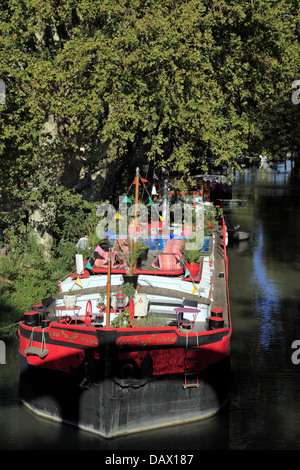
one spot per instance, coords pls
(122, 320)
(128, 290)
(192, 260)
(211, 219)
(135, 250)
(101, 303)
(70, 299)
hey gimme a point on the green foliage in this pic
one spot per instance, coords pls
(101, 301)
(174, 81)
(151, 320)
(128, 290)
(211, 219)
(25, 277)
(122, 320)
(191, 256)
(182, 80)
(135, 250)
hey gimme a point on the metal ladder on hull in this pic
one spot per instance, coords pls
(187, 373)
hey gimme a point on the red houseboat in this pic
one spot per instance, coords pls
(155, 356)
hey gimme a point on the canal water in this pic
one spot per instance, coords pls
(263, 412)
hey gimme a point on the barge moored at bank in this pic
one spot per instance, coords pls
(168, 363)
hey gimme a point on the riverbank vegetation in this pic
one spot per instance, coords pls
(94, 88)
(28, 274)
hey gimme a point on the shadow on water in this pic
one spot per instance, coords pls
(21, 429)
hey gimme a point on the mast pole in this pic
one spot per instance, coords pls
(137, 177)
(108, 288)
(136, 197)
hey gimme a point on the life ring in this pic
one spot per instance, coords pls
(88, 313)
(129, 369)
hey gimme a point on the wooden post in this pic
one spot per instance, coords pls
(137, 177)
(108, 285)
(136, 199)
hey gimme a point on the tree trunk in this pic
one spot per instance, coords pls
(40, 220)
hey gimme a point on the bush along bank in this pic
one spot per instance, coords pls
(25, 276)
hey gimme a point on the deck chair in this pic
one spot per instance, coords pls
(170, 259)
(121, 245)
(102, 259)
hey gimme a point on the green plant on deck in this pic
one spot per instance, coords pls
(122, 320)
(135, 250)
(128, 290)
(102, 294)
(151, 320)
(191, 256)
(211, 219)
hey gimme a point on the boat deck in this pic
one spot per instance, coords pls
(219, 297)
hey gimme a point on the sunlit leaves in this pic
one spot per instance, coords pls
(181, 79)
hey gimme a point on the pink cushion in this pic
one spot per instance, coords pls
(167, 262)
(121, 244)
(173, 246)
(103, 257)
(116, 260)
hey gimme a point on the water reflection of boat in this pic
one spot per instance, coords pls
(112, 372)
(238, 234)
(240, 246)
(231, 203)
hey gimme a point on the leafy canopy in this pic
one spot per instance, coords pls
(181, 80)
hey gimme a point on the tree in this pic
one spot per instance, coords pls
(93, 86)
(97, 87)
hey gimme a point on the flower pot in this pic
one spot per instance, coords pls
(144, 254)
(193, 268)
(131, 279)
(70, 301)
(100, 318)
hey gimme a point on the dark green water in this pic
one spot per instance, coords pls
(263, 412)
